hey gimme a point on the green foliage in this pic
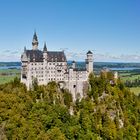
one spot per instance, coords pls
(108, 112)
(6, 75)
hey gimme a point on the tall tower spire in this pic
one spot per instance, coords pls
(35, 41)
(45, 51)
(45, 47)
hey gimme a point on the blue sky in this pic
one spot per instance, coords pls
(110, 28)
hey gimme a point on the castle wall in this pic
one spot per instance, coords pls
(56, 71)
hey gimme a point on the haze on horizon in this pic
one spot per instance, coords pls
(110, 28)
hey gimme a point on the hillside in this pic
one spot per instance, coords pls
(109, 111)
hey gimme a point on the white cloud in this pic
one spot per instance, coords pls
(14, 52)
(6, 51)
(7, 55)
(78, 56)
(75, 56)
(117, 58)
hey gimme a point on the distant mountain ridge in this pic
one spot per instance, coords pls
(10, 64)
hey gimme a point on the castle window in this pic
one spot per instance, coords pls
(59, 70)
(24, 76)
(74, 86)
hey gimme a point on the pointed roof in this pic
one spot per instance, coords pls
(35, 42)
(45, 47)
(25, 49)
(89, 52)
(52, 56)
(35, 36)
(35, 55)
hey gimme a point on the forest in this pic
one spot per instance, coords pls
(109, 111)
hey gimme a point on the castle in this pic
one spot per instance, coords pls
(46, 66)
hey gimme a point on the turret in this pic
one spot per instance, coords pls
(73, 64)
(45, 51)
(24, 57)
(35, 42)
(89, 62)
(25, 49)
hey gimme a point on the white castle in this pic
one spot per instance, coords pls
(46, 66)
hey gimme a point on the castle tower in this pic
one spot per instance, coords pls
(89, 62)
(24, 57)
(45, 51)
(73, 64)
(35, 42)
